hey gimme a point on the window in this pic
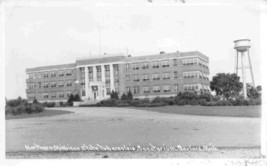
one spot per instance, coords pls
(145, 66)
(127, 66)
(175, 74)
(117, 90)
(116, 67)
(146, 89)
(82, 82)
(191, 74)
(176, 87)
(127, 78)
(60, 73)
(108, 91)
(166, 76)
(190, 87)
(108, 80)
(116, 84)
(53, 95)
(31, 76)
(82, 69)
(53, 84)
(98, 79)
(156, 89)
(136, 89)
(90, 70)
(98, 69)
(175, 63)
(45, 75)
(135, 66)
(107, 68)
(53, 74)
(166, 88)
(128, 89)
(45, 96)
(155, 64)
(165, 64)
(83, 92)
(39, 75)
(31, 86)
(69, 83)
(145, 77)
(31, 96)
(45, 85)
(60, 84)
(68, 94)
(68, 73)
(61, 95)
(136, 78)
(155, 77)
(116, 79)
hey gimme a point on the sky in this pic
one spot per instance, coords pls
(56, 32)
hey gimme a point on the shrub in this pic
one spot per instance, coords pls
(114, 95)
(223, 103)
(36, 108)
(16, 102)
(256, 101)
(49, 104)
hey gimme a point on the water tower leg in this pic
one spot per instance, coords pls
(236, 65)
(244, 76)
(250, 67)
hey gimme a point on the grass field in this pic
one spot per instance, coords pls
(225, 111)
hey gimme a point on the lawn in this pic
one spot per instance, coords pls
(225, 111)
(46, 112)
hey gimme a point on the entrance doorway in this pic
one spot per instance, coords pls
(94, 95)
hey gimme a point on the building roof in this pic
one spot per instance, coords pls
(53, 67)
(165, 56)
(100, 59)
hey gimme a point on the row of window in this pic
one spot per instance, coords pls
(167, 76)
(60, 73)
(195, 74)
(195, 61)
(166, 63)
(99, 68)
(49, 84)
(166, 88)
(51, 95)
(154, 89)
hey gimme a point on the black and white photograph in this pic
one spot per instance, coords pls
(177, 81)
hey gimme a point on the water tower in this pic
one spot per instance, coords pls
(242, 48)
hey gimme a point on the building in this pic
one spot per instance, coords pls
(95, 78)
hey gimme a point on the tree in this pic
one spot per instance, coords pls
(77, 98)
(129, 95)
(253, 92)
(123, 97)
(226, 85)
(70, 100)
(114, 95)
(35, 101)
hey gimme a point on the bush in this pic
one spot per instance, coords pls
(36, 108)
(16, 102)
(49, 104)
(223, 103)
(256, 101)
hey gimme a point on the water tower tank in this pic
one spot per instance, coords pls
(242, 45)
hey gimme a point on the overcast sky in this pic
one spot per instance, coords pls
(50, 33)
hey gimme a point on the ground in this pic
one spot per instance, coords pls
(233, 136)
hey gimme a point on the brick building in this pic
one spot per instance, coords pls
(145, 76)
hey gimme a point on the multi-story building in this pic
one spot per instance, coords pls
(95, 78)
